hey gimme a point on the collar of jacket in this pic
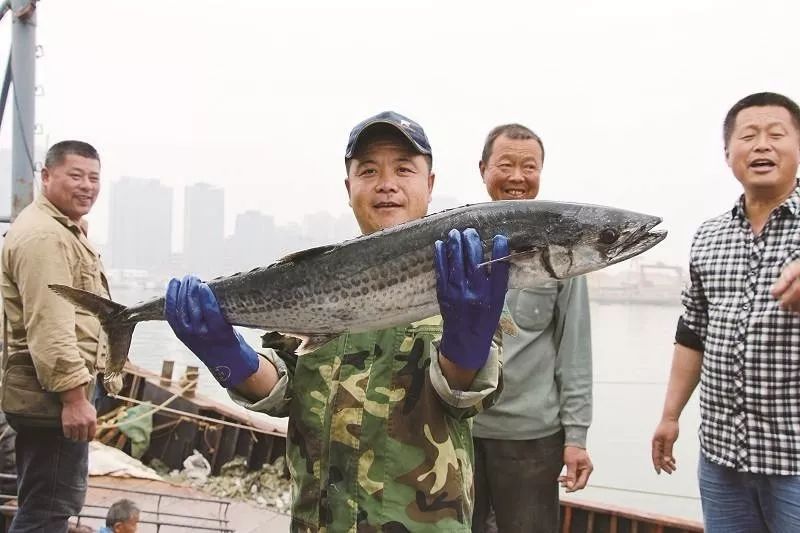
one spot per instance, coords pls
(47, 206)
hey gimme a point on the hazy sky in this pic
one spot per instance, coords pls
(259, 97)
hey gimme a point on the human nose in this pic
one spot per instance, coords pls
(516, 174)
(387, 182)
(762, 143)
(86, 184)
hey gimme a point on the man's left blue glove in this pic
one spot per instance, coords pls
(470, 297)
(192, 311)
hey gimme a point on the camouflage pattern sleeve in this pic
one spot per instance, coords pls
(277, 403)
(485, 388)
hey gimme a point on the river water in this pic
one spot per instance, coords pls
(632, 350)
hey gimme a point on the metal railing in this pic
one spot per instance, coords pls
(220, 523)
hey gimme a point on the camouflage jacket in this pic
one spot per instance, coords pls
(377, 440)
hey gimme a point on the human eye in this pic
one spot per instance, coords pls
(747, 135)
(406, 171)
(504, 167)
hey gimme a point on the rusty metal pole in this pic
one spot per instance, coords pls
(23, 75)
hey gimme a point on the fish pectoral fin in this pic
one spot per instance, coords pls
(280, 342)
(312, 341)
(296, 343)
(513, 256)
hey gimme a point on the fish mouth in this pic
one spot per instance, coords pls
(638, 241)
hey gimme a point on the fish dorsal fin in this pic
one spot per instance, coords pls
(302, 255)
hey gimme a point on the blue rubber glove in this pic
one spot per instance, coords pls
(194, 315)
(470, 299)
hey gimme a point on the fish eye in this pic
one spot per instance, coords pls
(609, 236)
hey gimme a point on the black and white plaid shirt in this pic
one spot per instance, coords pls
(750, 382)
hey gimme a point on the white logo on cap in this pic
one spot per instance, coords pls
(405, 124)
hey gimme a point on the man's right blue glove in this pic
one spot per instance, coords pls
(192, 311)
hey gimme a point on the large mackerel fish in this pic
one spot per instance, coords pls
(387, 278)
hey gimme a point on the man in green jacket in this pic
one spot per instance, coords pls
(379, 437)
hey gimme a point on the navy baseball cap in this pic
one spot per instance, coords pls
(413, 132)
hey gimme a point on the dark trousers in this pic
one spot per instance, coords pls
(51, 478)
(516, 485)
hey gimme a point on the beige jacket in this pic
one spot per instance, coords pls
(53, 346)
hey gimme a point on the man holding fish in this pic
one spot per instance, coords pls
(379, 437)
(399, 324)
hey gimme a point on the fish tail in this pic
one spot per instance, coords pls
(113, 318)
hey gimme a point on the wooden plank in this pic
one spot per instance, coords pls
(690, 526)
(261, 449)
(239, 414)
(209, 439)
(172, 446)
(244, 443)
(566, 522)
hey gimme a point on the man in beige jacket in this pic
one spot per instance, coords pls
(54, 350)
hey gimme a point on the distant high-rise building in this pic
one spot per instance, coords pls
(253, 242)
(140, 234)
(204, 229)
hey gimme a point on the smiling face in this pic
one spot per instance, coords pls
(513, 169)
(764, 150)
(72, 185)
(388, 182)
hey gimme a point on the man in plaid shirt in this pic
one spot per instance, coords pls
(739, 335)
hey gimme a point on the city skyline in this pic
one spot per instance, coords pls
(142, 238)
(140, 207)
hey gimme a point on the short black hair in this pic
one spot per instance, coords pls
(383, 131)
(759, 100)
(512, 131)
(59, 151)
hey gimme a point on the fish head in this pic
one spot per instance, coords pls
(567, 239)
